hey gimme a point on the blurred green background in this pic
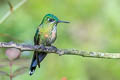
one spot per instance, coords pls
(95, 26)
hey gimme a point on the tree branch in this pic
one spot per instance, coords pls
(52, 49)
(11, 9)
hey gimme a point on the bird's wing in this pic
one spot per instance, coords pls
(36, 42)
(35, 55)
(38, 56)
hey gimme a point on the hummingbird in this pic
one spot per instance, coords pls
(45, 35)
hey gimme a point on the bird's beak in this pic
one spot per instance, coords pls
(63, 21)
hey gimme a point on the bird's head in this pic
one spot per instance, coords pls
(51, 19)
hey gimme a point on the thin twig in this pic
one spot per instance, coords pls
(52, 49)
(11, 6)
(11, 75)
(13, 9)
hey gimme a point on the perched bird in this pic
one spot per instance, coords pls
(45, 35)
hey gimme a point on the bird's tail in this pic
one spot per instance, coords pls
(41, 56)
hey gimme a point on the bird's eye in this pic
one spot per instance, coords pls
(51, 20)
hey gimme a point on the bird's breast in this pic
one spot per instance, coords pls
(48, 36)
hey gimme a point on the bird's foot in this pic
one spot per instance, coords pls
(42, 47)
(54, 48)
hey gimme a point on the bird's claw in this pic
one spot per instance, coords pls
(54, 48)
(42, 47)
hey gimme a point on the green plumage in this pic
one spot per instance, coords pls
(45, 35)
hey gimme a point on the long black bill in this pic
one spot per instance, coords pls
(63, 21)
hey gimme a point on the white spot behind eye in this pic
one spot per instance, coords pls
(48, 19)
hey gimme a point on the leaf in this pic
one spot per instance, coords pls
(20, 71)
(2, 73)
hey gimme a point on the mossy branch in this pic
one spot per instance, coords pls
(52, 49)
